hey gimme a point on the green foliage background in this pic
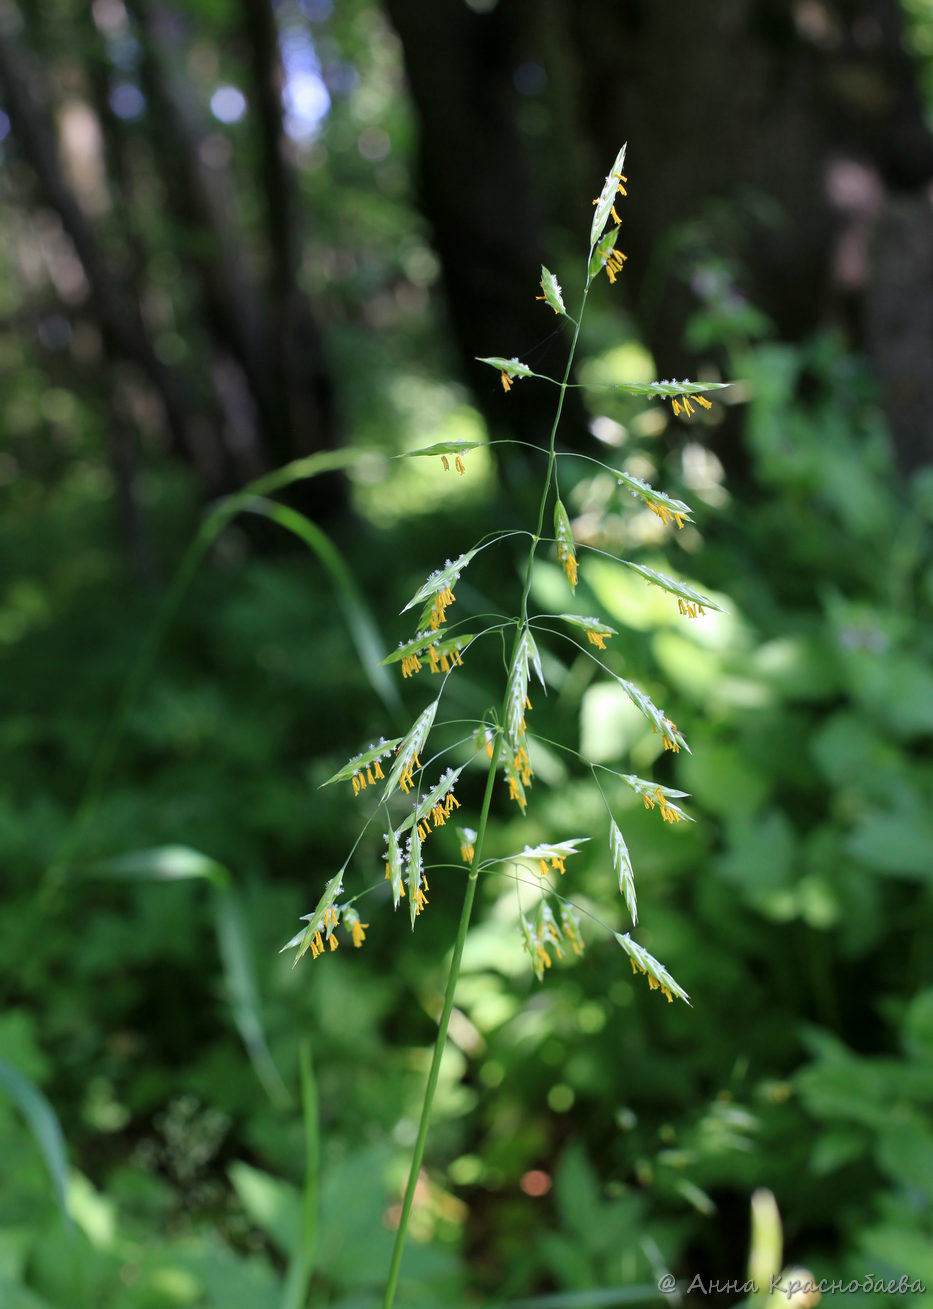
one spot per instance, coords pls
(796, 911)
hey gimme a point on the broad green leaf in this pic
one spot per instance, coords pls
(272, 1204)
(899, 844)
(379, 751)
(622, 866)
(607, 197)
(44, 1125)
(682, 590)
(552, 291)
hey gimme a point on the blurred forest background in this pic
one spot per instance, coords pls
(238, 232)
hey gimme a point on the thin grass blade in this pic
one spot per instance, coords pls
(301, 1264)
(360, 623)
(45, 1127)
(236, 958)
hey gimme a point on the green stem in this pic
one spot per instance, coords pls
(552, 453)
(301, 1265)
(453, 975)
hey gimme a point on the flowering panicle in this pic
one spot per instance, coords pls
(547, 935)
(551, 292)
(393, 862)
(538, 940)
(570, 927)
(553, 931)
(438, 815)
(516, 765)
(357, 929)
(666, 515)
(425, 647)
(681, 404)
(605, 202)
(365, 769)
(691, 600)
(670, 736)
(659, 979)
(563, 533)
(406, 779)
(483, 738)
(663, 797)
(439, 795)
(516, 785)
(442, 601)
(508, 369)
(622, 866)
(551, 856)
(665, 506)
(417, 882)
(614, 263)
(441, 657)
(329, 923)
(437, 590)
(466, 836)
(406, 756)
(367, 777)
(671, 813)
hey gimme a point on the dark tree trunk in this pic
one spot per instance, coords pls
(477, 192)
(259, 392)
(788, 138)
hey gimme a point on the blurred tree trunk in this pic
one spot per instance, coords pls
(254, 390)
(477, 192)
(788, 138)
